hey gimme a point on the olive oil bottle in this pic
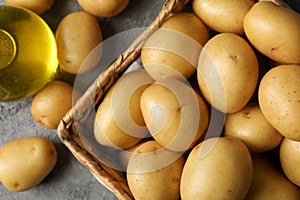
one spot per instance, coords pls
(28, 53)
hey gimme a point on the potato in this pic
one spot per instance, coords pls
(223, 16)
(25, 162)
(119, 122)
(78, 37)
(217, 168)
(274, 31)
(37, 6)
(290, 159)
(227, 72)
(279, 99)
(104, 8)
(251, 127)
(52, 102)
(153, 172)
(175, 115)
(163, 54)
(270, 183)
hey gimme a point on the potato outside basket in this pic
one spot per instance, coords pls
(74, 121)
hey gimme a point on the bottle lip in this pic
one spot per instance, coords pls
(7, 49)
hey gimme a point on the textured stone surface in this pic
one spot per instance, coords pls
(69, 180)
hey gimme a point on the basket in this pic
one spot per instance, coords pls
(74, 122)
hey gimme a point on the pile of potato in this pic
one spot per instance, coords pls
(239, 59)
(245, 58)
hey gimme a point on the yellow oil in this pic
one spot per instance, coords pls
(28, 53)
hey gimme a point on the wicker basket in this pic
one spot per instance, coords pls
(73, 125)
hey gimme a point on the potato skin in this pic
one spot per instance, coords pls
(251, 127)
(174, 113)
(162, 54)
(77, 35)
(104, 8)
(289, 154)
(227, 72)
(37, 6)
(223, 16)
(112, 126)
(148, 178)
(270, 183)
(217, 168)
(279, 99)
(274, 31)
(25, 162)
(52, 102)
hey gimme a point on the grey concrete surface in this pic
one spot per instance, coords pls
(69, 180)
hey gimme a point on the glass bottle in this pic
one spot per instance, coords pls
(28, 53)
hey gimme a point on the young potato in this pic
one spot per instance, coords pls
(274, 31)
(290, 159)
(25, 162)
(78, 37)
(104, 8)
(163, 54)
(217, 168)
(119, 122)
(154, 173)
(279, 99)
(251, 127)
(223, 16)
(175, 115)
(52, 102)
(37, 6)
(270, 183)
(227, 72)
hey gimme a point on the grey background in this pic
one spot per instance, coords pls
(69, 180)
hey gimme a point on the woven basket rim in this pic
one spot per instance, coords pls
(112, 179)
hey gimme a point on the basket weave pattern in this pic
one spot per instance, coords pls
(73, 121)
